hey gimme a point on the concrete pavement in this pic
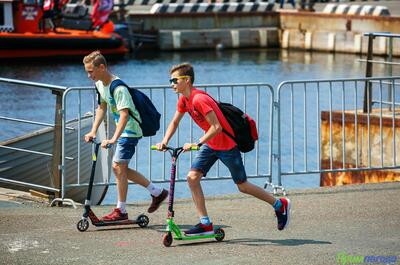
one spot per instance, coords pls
(356, 220)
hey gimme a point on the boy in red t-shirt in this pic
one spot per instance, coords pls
(214, 145)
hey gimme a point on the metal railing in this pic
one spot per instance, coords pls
(369, 66)
(79, 104)
(19, 153)
(320, 127)
(322, 121)
(251, 98)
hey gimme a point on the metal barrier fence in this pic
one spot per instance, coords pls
(254, 99)
(27, 153)
(322, 127)
(389, 37)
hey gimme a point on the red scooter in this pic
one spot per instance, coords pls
(83, 224)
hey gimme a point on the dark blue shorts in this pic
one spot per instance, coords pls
(125, 149)
(206, 157)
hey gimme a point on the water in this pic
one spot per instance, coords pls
(246, 66)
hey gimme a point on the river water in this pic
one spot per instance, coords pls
(152, 68)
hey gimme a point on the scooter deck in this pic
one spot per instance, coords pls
(196, 237)
(121, 222)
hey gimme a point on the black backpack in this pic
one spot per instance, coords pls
(148, 113)
(243, 126)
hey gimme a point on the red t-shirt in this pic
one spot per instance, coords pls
(198, 105)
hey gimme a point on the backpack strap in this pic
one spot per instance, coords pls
(98, 95)
(218, 104)
(116, 83)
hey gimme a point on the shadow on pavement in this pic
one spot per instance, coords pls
(282, 242)
(113, 228)
(161, 228)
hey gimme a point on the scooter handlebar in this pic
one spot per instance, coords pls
(193, 148)
(93, 140)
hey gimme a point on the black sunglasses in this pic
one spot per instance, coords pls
(175, 79)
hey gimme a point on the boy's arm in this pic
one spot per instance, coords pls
(173, 125)
(215, 128)
(123, 120)
(100, 113)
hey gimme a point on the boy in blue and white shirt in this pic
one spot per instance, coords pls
(126, 135)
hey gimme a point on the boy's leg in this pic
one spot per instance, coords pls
(157, 195)
(120, 172)
(125, 150)
(119, 213)
(202, 163)
(123, 154)
(233, 160)
(137, 178)
(193, 179)
(251, 189)
(204, 227)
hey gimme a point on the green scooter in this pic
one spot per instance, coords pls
(219, 233)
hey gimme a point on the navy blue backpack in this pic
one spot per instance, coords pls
(148, 113)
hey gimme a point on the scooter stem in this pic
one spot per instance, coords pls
(172, 188)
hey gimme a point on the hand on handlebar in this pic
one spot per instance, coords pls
(160, 147)
(163, 147)
(190, 146)
(107, 143)
(90, 136)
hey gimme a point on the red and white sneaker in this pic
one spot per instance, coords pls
(115, 215)
(283, 215)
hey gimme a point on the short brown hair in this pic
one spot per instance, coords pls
(184, 69)
(96, 58)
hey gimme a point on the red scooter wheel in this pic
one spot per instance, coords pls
(167, 239)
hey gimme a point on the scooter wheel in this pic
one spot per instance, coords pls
(142, 220)
(167, 239)
(219, 234)
(82, 225)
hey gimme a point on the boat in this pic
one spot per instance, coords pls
(35, 169)
(27, 31)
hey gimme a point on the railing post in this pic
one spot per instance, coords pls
(277, 156)
(368, 85)
(57, 141)
(390, 59)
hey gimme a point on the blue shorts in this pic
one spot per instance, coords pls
(125, 149)
(206, 157)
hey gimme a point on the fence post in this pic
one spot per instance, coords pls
(57, 141)
(390, 59)
(368, 86)
(277, 156)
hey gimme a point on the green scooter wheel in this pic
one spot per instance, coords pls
(219, 234)
(167, 239)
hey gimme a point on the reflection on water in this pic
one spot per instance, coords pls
(152, 68)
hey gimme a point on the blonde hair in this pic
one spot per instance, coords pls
(96, 58)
